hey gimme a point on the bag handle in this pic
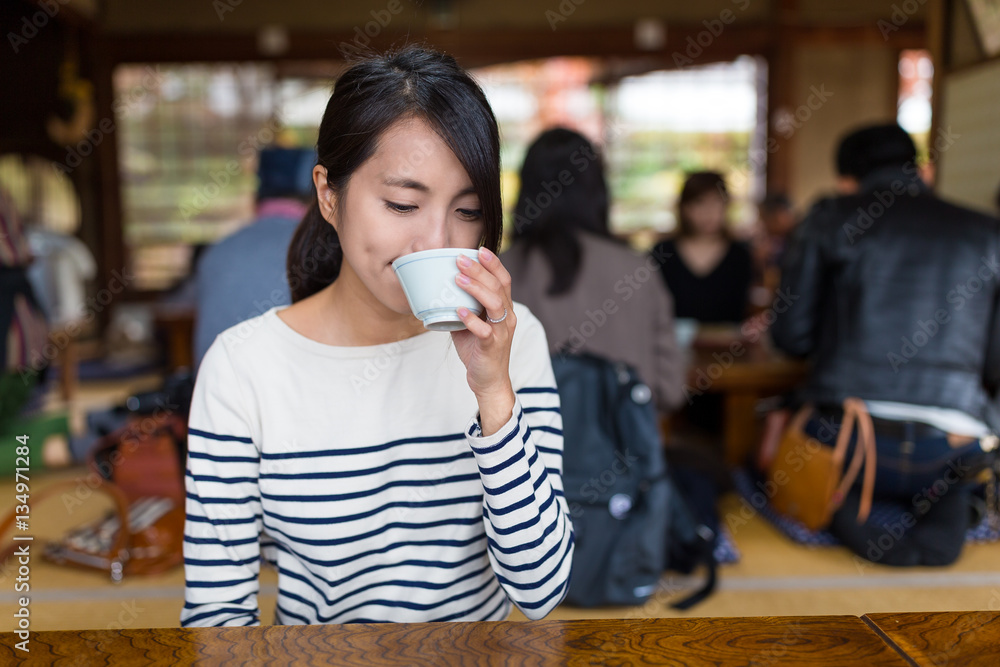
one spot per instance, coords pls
(864, 454)
(118, 552)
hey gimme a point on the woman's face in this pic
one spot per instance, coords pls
(412, 194)
(707, 214)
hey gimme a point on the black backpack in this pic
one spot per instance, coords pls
(630, 520)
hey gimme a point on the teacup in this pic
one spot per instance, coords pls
(428, 280)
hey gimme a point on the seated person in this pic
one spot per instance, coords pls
(707, 271)
(897, 304)
(776, 220)
(243, 275)
(580, 281)
(388, 472)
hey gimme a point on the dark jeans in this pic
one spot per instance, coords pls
(928, 482)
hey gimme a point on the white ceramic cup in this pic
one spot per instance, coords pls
(428, 280)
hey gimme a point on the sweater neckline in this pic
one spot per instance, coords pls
(418, 342)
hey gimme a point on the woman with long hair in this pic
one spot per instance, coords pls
(592, 293)
(708, 272)
(389, 473)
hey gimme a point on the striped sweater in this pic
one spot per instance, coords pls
(361, 474)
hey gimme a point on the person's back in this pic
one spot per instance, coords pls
(896, 301)
(591, 292)
(243, 275)
(618, 308)
(907, 311)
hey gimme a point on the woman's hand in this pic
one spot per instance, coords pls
(484, 347)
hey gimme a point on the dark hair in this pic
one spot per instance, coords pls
(373, 94)
(697, 185)
(863, 151)
(563, 192)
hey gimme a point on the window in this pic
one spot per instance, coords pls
(188, 140)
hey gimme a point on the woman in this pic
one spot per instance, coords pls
(708, 273)
(591, 292)
(389, 473)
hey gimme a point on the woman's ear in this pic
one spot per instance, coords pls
(325, 196)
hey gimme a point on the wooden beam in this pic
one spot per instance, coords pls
(476, 48)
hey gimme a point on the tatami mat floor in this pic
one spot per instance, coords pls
(773, 577)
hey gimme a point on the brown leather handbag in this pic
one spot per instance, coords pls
(807, 478)
(140, 467)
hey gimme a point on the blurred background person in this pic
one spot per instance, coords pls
(706, 270)
(243, 275)
(881, 315)
(23, 328)
(775, 221)
(585, 286)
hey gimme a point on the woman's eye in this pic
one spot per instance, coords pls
(399, 208)
(470, 213)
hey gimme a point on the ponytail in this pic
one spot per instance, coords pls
(314, 255)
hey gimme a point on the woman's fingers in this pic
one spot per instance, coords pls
(477, 327)
(491, 300)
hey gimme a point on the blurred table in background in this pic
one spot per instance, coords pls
(175, 323)
(743, 372)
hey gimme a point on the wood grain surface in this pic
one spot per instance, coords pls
(943, 638)
(809, 640)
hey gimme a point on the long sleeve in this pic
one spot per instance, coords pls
(223, 525)
(529, 532)
(795, 330)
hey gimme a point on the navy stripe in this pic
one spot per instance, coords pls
(548, 429)
(517, 456)
(362, 450)
(370, 471)
(191, 583)
(223, 459)
(507, 438)
(218, 436)
(222, 562)
(392, 547)
(465, 613)
(529, 411)
(470, 521)
(225, 610)
(537, 390)
(526, 567)
(512, 484)
(284, 613)
(337, 497)
(445, 502)
(222, 522)
(221, 543)
(222, 480)
(211, 500)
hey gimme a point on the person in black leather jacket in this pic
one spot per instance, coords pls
(897, 302)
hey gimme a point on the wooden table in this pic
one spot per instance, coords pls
(878, 639)
(744, 374)
(946, 638)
